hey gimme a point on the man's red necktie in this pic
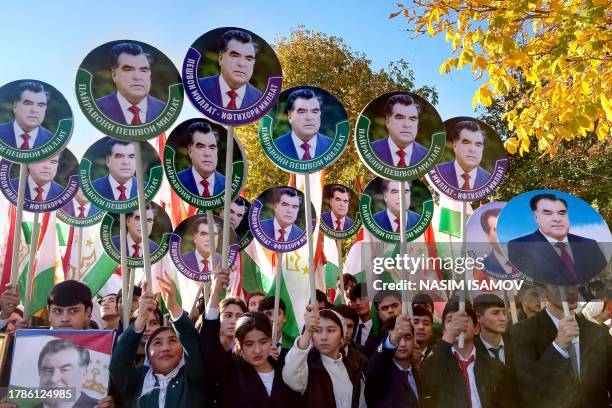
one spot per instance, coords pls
(232, 103)
(281, 232)
(205, 269)
(338, 225)
(39, 190)
(464, 369)
(567, 259)
(26, 141)
(466, 183)
(206, 192)
(397, 221)
(122, 195)
(306, 148)
(402, 161)
(136, 252)
(136, 118)
(81, 211)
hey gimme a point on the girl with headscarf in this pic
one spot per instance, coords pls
(173, 376)
(596, 311)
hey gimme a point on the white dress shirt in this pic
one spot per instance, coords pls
(114, 184)
(410, 374)
(553, 242)
(126, 105)
(19, 133)
(198, 180)
(277, 234)
(225, 97)
(394, 225)
(297, 143)
(201, 259)
(501, 349)
(33, 193)
(459, 172)
(130, 246)
(473, 386)
(396, 157)
(76, 205)
(365, 331)
(334, 221)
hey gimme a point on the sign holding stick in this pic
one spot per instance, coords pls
(23, 175)
(277, 291)
(127, 306)
(31, 267)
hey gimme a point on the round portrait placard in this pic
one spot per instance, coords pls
(35, 121)
(474, 163)
(129, 90)
(239, 221)
(481, 242)
(277, 219)
(107, 174)
(79, 212)
(50, 184)
(158, 225)
(232, 76)
(392, 133)
(379, 207)
(194, 160)
(554, 237)
(190, 247)
(307, 130)
(340, 217)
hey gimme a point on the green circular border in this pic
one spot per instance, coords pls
(128, 133)
(80, 222)
(239, 177)
(413, 233)
(115, 254)
(153, 185)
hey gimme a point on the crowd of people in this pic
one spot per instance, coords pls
(365, 353)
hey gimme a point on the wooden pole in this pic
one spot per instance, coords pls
(30, 275)
(142, 209)
(23, 175)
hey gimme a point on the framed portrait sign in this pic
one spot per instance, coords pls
(80, 212)
(51, 182)
(340, 218)
(76, 359)
(232, 76)
(194, 163)
(159, 228)
(400, 136)
(306, 131)
(380, 209)
(107, 174)
(239, 221)
(474, 163)
(35, 121)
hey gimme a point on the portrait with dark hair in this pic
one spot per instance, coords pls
(286, 203)
(340, 207)
(71, 359)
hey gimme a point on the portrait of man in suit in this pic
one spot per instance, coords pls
(80, 207)
(40, 185)
(238, 210)
(134, 233)
(465, 172)
(200, 259)
(230, 88)
(399, 147)
(551, 254)
(63, 364)
(131, 103)
(337, 218)
(304, 142)
(120, 183)
(495, 262)
(202, 177)
(25, 131)
(286, 204)
(389, 218)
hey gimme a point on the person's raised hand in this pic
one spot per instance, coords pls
(147, 303)
(9, 300)
(568, 329)
(402, 328)
(456, 324)
(168, 293)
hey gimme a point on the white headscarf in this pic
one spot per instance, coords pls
(593, 309)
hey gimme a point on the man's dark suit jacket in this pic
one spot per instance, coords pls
(386, 385)
(286, 146)
(103, 187)
(69, 209)
(211, 88)
(54, 191)
(109, 104)
(383, 221)
(448, 173)
(534, 256)
(7, 134)
(546, 379)
(117, 243)
(186, 177)
(327, 220)
(443, 384)
(383, 152)
(267, 227)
